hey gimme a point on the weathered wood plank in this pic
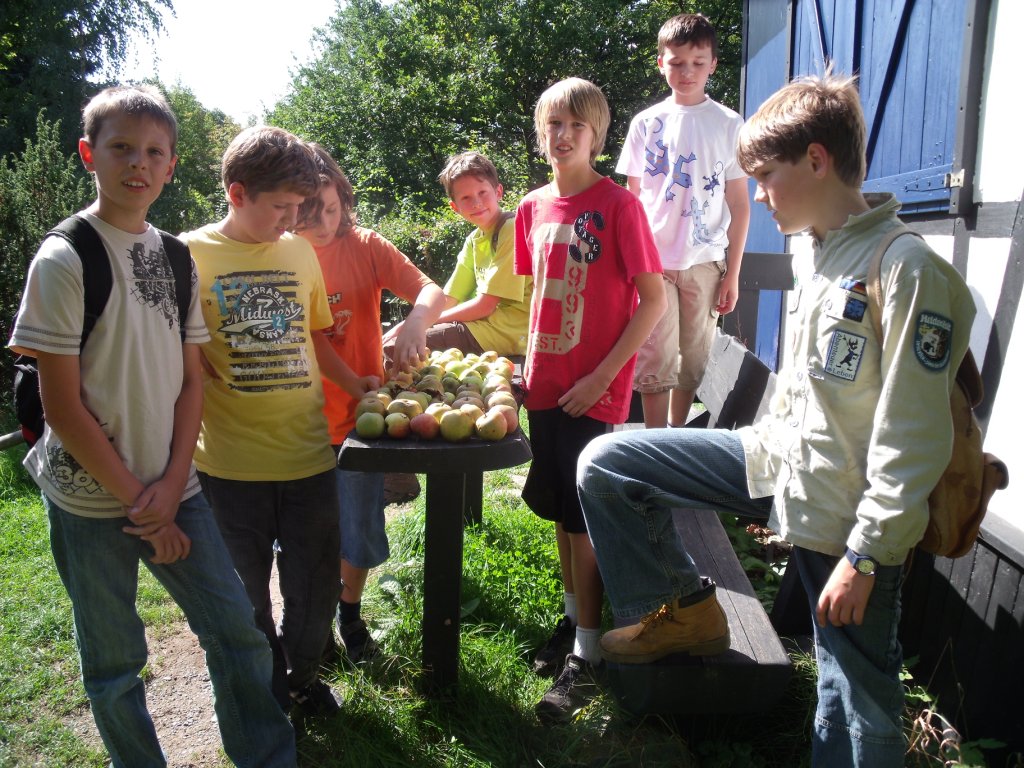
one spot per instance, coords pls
(747, 678)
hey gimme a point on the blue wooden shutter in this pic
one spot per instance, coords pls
(910, 57)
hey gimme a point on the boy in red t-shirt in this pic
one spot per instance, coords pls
(357, 265)
(588, 246)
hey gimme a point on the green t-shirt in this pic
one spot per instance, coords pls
(480, 269)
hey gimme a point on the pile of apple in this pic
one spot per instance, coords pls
(453, 395)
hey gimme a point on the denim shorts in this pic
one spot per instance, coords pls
(364, 542)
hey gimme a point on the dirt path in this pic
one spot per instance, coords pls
(179, 697)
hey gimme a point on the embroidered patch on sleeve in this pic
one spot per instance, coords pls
(932, 340)
(845, 352)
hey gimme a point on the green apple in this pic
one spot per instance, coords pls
(456, 426)
(407, 406)
(370, 425)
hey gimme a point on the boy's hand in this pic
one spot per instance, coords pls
(582, 395)
(410, 346)
(728, 293)
(365, 385)
(845, 596)
(727, 298)
(170, 544)
(154, 508)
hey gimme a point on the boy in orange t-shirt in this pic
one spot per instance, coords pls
(357, 265)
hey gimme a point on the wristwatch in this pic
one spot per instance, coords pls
(863, 564)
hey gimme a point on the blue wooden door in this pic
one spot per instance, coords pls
(907, 54)
(912, 59)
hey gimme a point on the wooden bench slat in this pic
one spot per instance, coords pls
(748, 677)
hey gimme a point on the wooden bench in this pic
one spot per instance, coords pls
(752, 674)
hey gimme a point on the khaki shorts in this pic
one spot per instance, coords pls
(675, 355)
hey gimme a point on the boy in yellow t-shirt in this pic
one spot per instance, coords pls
(487, 304)
(264, 455)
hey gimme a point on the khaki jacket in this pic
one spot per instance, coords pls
(858, 435)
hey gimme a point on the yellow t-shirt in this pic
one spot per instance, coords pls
(263, 406)
(478, 270)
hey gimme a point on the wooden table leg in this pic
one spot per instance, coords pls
(442, 580)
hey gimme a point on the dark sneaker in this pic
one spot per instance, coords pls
(332, 653)
(573, 689)
(400, 487)
(316, 700)
(359, 645)
(549, 659)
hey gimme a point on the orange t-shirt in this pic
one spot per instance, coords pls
(357, 267)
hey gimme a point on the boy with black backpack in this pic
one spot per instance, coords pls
(115, 459)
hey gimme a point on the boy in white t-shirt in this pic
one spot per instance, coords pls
(115, 459)
(679, 158)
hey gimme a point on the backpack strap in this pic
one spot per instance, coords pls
(505, 216)
(97, 277)
(967, 375)
(875, 275)
(181, 266)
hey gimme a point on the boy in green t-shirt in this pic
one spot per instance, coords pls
(487, 304)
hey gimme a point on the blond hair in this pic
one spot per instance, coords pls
(467, 164)
(134, 100)
(822, 110)
(583, 100)
(269, 159)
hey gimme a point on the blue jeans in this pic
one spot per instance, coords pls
(364, 540)
(301, 517)
(99, 566)
(630, 481)
(858, 721)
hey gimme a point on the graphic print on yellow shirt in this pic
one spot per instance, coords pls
(264, 327)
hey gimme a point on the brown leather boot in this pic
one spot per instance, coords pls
(694, 624)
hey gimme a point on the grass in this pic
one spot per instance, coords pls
(511, 600)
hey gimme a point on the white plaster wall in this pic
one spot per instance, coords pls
(1000, 166)
(1001, 179)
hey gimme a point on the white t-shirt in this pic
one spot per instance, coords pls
(683, 157)
(131, 365)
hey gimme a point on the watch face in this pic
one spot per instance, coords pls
(866, 566)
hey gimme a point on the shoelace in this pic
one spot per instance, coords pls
(652, 620)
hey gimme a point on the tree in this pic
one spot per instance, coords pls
(195, 196)
(399, 86)
(51, 51)
(38, 189)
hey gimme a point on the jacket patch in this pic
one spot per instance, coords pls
(854, 309)
(932, 340)
(854, 286)
(847, 301)
(845, 352)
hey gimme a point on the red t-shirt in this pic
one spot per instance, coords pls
(357, 267)
(583, 253)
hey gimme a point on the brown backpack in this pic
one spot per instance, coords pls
(959, 501)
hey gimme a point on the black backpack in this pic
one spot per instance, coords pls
(98, 281)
